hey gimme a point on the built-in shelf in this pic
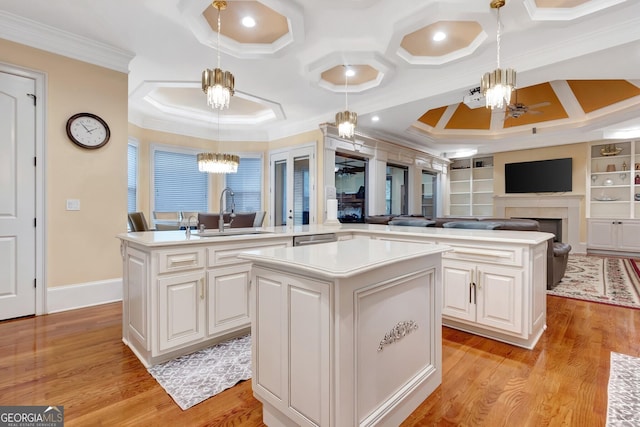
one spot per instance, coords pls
(471, 187)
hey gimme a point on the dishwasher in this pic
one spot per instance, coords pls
(314, 239)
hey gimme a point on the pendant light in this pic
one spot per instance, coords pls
(218, 84)
(346, 120)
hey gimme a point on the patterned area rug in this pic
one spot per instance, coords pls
(624, 391)
(195, 377)
(601, 279)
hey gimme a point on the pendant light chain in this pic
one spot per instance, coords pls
(497, 40)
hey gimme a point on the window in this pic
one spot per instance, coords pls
(397, 185)
(178, 185)
(132, 176)
(429, 194)
(246, 185)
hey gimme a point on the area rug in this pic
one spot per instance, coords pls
(195, 377)
(601, 279)
(623, 407)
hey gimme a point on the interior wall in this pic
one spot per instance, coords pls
(80, 245)
(578, 152)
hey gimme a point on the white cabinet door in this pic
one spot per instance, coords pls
(457, 294)
(602, 233)
(135, 314)
(228, 299)
(291, 362)
(499, 302)
(181, 310)
(629, 235)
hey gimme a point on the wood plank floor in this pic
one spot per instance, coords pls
(77, 359)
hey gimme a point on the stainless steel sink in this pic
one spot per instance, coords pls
(238, 232)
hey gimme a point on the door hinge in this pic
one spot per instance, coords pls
(34, 97)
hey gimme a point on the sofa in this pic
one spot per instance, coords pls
(558, 252)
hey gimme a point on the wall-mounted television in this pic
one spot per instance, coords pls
(541, 176)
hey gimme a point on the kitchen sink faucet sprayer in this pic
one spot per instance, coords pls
(233, 206)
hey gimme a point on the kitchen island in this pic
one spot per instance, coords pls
(345, 333)
(185, 292)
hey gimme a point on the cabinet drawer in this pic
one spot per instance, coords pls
(502, 256)
(171, 261)
(228, 254)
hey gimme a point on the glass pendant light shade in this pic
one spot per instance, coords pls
(219, 87)
(497, 87)
(218, 163)
(346, 122)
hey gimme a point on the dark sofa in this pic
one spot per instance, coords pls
(558, 252)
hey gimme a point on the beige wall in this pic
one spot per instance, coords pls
(80, 245)
(578, 152)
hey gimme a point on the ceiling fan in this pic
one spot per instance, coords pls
(517, 109)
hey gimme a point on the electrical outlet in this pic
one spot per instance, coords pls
(73, 204)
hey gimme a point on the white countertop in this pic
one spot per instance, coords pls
(343, 258)
(179, 237)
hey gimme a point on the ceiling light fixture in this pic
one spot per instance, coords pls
(218, 84)
(498, 84)
(218, 162)
(248, 22)
(439, 36)
(346, 120)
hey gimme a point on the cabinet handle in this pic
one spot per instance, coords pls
(470, 290)
(475, 294)
(202, 288)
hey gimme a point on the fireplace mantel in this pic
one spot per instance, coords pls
(529, 205)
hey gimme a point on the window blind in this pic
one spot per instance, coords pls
(132, 177)
(246, 185)
(178, 184)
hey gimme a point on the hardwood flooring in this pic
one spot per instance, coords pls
(77, 359)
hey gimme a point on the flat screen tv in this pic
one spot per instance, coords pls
(541, 176)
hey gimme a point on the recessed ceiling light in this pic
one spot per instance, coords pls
(248, 22)
(350, 72)
(439, 36)
(375, 118)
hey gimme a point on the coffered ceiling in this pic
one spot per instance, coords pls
(578, 64)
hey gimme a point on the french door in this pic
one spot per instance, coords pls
(293, 190)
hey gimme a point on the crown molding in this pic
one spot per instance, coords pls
(31, 33)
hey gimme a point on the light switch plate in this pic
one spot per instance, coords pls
(73, 204)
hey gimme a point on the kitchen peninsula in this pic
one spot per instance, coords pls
(182, 293)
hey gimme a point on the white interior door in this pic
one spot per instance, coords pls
(17, 197)
(293, 189)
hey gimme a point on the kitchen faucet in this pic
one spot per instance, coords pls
(233, 206)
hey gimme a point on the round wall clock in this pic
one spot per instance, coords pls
(88, 130)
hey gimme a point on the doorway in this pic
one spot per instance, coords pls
(293, 186)
(350, 179)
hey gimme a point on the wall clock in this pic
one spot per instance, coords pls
(88, 130)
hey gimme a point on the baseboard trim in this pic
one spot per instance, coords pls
(71, 297)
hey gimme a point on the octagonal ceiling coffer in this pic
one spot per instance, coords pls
(270, 25)
(459, 35)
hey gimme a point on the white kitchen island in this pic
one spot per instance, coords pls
(345, 333)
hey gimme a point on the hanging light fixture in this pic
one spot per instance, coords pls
(498, 84)
(218, 162)
(218, 84)
(346, 120)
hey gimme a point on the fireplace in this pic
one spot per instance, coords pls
(563, 208)
(550, 225)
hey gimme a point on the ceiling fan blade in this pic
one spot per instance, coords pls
(534, 112)
(538, 105)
